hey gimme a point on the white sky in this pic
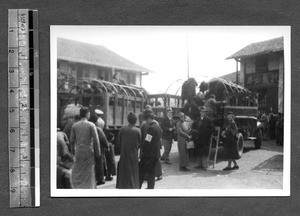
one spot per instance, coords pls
(163, 49)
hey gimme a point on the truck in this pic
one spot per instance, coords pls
(115, 100)
(243, 103)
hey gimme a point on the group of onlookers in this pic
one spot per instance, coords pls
(85, 149)
(272, 126)
(85, 154)
(140, 152)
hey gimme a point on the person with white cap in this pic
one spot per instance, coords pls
(168, 128)
(100, 121)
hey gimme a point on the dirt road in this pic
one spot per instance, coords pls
(259, 169)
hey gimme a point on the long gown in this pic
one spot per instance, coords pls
(183, 130)
(128, 167)
(84, 137)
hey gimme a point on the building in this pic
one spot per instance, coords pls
(231, 77)
(78, 61)
(262, 72)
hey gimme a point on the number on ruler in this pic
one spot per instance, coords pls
(23, 21)
(12, 150)
(12, 130)
(23, 18)
(13, 190)
(12, 170)
(23, 105)
(11, 91)
(11, 70)
(11, 51)
(11, 110)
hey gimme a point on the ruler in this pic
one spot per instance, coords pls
(23, 108)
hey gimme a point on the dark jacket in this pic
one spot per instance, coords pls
(205, 129)
(165, 126)
(100, 162)
(102, 140)
(195, 104)
(151, 148)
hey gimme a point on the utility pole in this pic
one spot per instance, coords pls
(237, 71)
(187, 55)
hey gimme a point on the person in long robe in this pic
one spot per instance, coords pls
(85, 145)
(183, 136)
(129, 139)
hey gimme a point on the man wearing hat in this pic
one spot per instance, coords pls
(168, 128)
(150, 149)
(205, 129)
(100, 121)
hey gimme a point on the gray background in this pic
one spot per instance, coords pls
(151, 12)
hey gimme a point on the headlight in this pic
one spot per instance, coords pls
(258, 123)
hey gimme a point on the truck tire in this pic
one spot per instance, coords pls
(240, 144)
(257, 142)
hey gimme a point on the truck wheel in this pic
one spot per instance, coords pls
(240, 144)
(257, 142)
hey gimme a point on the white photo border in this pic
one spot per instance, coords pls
(285, 191)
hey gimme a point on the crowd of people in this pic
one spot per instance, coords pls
(272, 127)
(86, 154)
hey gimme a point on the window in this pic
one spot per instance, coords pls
(261, 64)
(262, 100)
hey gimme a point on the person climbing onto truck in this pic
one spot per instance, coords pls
(211, 105)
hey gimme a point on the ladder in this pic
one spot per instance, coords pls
(215, 136)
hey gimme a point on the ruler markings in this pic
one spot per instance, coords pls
(22, 62)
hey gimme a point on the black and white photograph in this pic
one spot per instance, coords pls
(170, 111)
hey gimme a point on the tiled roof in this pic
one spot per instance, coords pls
(263, 47)
(86, 53)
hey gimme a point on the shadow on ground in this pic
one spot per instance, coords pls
(273, 164)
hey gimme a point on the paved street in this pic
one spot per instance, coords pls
(259, 169)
